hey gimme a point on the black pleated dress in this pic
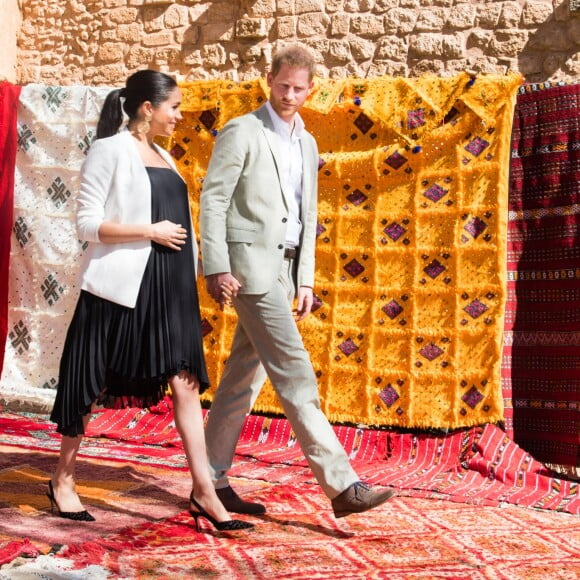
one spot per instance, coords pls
(123, 357)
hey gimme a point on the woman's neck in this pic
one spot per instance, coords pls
(150, 156)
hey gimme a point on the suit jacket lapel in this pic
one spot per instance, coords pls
(272, 139)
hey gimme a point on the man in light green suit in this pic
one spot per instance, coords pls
(258, 233)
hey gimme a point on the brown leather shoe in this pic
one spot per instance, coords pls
(234, 503)
(357, 498)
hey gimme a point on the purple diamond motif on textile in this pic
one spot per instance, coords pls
(475, 309)
(415, 118)
(206, 327)
(434, 269)
(354, 268)
(388, 395)
(321, 163)
(177, 151)
(207, 118)
(316, 303)
(356, 197)
(472, 397)
(477, 145)
(396, 160)
(394, 231)
(475, 227)
(431, 351)
(363, 123)
(348, 347)
(435, 193)
(392, 309)
(320, 229)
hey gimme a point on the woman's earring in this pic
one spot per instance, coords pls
(144, 125)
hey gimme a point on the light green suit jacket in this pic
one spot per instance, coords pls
(244, 210)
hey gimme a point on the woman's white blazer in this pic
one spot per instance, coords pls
(115, 187)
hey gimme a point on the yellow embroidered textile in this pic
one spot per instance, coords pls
(411, 267)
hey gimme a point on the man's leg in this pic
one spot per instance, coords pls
(270, 330)
(269, 325)
(238, 389)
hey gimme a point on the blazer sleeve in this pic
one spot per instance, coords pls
(96, 178)
(225, 167)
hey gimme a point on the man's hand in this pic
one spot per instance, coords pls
(304, 301)
(222, 287)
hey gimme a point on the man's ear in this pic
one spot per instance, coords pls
(269, 78)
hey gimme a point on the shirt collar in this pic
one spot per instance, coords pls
(281, 127)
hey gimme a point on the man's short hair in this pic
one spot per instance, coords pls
(293, 55)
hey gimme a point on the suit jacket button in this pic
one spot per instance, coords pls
(284, 220)
(280, 246)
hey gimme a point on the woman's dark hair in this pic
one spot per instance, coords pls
(144, 85)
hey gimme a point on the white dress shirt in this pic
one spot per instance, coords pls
(291, 171)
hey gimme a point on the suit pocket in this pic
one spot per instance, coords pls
(241, 235)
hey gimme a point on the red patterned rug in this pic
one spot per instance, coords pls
(137, 489)
(407, 538)
(480, 465)
(541, 372)
(299, 538)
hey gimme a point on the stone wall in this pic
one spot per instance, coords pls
(100, 42)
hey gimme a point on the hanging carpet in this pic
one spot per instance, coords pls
(410, 291)
(542, 338)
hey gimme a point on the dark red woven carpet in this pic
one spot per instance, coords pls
(541, 374)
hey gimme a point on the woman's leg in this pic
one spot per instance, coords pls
(189, 422)
(63, 480)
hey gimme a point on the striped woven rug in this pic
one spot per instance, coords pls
(478, 466)
(541, 371)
